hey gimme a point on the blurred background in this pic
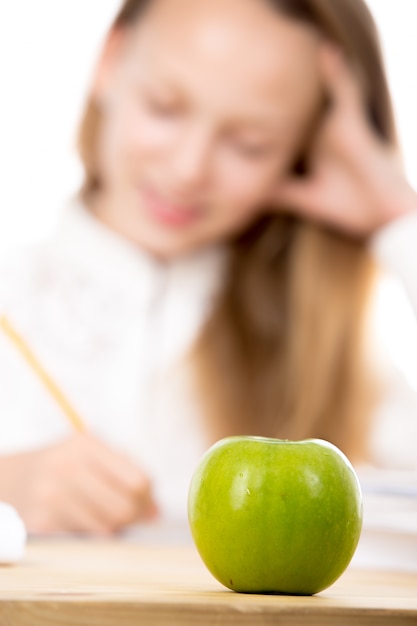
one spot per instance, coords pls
(47, 52)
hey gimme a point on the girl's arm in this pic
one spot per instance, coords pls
(77, 485)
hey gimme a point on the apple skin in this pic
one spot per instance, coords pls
(275, 516)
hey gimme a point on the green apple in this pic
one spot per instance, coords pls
(275, 516)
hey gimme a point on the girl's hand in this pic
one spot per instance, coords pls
(79, 485)
(355, 181)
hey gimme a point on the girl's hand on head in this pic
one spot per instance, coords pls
(79, 485)
(355, 181)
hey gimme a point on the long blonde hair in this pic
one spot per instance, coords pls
(282, 351)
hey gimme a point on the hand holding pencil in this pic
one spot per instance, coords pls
(77, 485)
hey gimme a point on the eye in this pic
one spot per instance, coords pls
(162, 107)
(252, 150)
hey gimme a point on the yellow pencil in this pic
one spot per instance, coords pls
(42, 374)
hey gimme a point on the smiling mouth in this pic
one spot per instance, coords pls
(167, 212)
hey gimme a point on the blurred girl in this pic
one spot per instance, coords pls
(212, 276)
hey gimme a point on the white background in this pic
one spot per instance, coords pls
(47, 52)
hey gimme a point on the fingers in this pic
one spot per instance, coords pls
(347, 129)
(118, 469)
(114, 487)
(95, 506)
(83, 485)
(340, 80)
(73, 517)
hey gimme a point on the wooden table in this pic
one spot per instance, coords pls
(118, 583)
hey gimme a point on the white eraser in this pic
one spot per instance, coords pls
(12, 535)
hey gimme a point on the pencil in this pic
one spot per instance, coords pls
(53, 389)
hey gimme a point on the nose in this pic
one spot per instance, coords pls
(190, 162)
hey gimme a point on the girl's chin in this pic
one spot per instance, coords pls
(165, 243)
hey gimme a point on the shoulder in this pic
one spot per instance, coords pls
(395, 249)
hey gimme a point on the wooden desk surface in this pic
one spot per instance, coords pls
(62, 583)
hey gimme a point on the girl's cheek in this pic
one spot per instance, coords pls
(247, 187)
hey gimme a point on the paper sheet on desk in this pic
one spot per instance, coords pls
(389, 535)
(390, 500)
(161, 533)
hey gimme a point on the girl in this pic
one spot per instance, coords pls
(213, 274)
